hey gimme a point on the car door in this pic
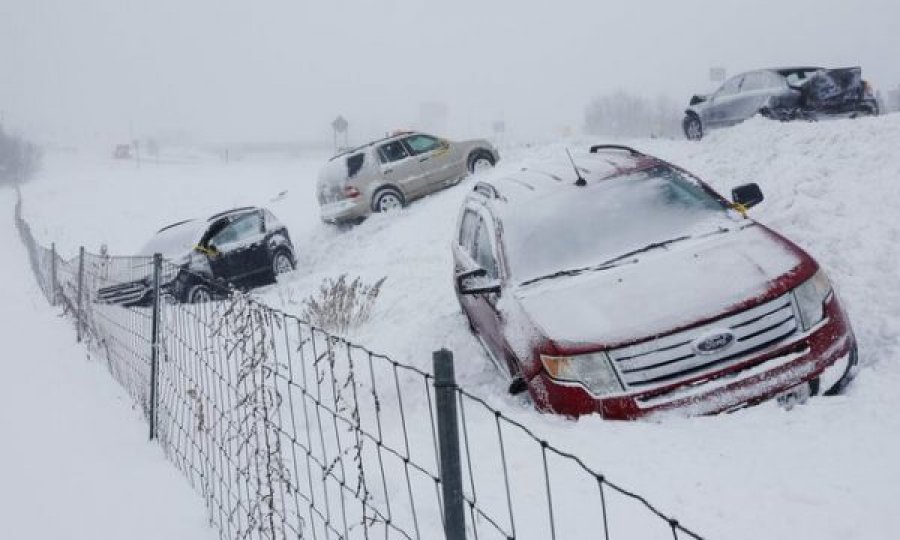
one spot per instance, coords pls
(436, 158)
(400, 168)
(719, 112)
(242, 253)
(483, 311)
(753, 95)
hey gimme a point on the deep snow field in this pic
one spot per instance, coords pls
(75, 463)
(826, 469)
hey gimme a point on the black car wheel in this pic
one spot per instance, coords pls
(693, 128)
(480, 160)
(848, 375)
(199, 293)
(282, 263)
(387, 199)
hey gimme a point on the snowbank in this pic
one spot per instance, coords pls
(827, 468)
(75, 462)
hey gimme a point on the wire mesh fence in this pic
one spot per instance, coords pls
(288, 431)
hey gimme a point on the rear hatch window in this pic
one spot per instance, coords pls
(335, 175)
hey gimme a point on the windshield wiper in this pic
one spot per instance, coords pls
(606, 265)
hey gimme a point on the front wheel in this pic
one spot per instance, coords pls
(199, 293)
(282, 263)
(693, 128)
(480, 161)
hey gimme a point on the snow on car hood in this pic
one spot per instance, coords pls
(665, 289)
(175, 241)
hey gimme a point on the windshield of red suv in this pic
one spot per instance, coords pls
(580, 227)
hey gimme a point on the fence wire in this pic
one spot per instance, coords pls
(288, 431)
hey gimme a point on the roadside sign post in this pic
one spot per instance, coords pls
(717, 74)
(340, 125)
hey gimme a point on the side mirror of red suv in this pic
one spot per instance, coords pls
(747, 195)
(476, 282)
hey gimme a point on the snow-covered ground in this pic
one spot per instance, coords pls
(827, 469)
(74, 458)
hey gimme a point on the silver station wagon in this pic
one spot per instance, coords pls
(389, 173)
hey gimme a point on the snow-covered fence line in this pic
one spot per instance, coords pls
(288, 431)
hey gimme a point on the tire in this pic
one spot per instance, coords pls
(848, 375)
(282, 263)
(693, 128)
(387, 199)
(198, 293)
(480, 160)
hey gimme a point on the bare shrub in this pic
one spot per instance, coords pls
(341, 303)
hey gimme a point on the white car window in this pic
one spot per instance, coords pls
(240, 230)
(392, 151)
(421, 144)
(772, 81)
(753, 81)
(731, 87)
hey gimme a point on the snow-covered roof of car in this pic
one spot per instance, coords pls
(535, 181)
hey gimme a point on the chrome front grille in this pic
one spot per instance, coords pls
(674, 357)
(125, 293)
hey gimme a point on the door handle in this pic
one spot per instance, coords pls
(388, 171)
(423, 159)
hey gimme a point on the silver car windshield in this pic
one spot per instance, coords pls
(584, 226)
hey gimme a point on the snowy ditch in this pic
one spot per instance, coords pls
(826, 468)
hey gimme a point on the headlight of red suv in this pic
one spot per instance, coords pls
(594, 371)
(811, 297)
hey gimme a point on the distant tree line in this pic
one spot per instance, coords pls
(622, 114)
(19, 159)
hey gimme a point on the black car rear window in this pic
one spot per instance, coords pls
(354, 164)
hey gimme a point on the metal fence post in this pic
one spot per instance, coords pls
(53, 298)
(448, 440)
(80, 301)
(154, 344)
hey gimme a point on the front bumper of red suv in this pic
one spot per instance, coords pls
(821, 357)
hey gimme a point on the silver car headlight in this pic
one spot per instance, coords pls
(594, 371)
(811, 297)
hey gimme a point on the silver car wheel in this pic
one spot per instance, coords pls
(389, 201)
(481, 164)
(282, 264)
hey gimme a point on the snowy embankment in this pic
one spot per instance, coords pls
(824, 470)
(74, 460)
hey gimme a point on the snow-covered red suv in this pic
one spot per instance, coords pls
(621, 284)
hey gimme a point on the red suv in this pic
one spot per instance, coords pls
(621, 284)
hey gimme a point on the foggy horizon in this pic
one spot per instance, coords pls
(229, 71)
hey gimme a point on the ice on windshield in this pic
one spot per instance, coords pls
(175, 240)
(579, 227)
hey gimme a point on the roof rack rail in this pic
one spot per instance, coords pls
(232, 211)
(597, 147)
(487, 190)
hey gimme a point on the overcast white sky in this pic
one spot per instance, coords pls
(265, 70)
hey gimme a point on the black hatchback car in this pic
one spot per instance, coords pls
(782, 94)
(243, 248)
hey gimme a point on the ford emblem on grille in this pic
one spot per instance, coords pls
(714, 342)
